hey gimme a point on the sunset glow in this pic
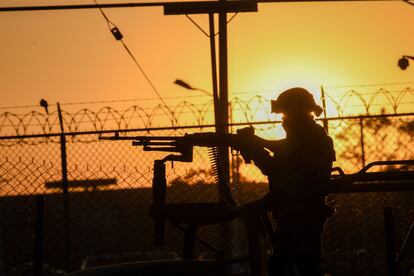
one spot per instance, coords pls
(72, 57)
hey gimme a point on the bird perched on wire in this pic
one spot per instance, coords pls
(44, 104)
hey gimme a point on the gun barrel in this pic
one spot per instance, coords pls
(167, 149)
(153, 143)
(183, 144)
(140, 138)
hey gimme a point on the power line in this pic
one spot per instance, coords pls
(369, 85)
(18, 106)
(109, 22)
(118, 36)
(408, 2)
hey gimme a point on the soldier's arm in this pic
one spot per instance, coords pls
(261, 152)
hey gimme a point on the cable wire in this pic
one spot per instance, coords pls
(202, 30)
(198, 26)
(369, 85)
(113, 26)
(109, 22)
(408, 2)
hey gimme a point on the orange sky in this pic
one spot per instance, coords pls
(70, 56)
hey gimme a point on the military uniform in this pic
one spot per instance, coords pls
(296, 167)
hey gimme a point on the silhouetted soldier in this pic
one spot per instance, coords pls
(296, 167)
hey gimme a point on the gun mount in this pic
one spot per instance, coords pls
(194, 215)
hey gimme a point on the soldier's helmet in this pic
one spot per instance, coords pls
(296, 100)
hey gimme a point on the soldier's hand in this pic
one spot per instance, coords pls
(246, 137)
(246, 131)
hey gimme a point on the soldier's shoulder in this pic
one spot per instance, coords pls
(319, 133)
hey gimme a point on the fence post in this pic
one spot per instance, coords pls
(65, 193)
(361, 130)
(325, 120)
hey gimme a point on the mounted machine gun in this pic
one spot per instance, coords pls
(192, 214)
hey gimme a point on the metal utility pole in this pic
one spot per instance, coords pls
(65, 192)
(224, 89)
(223, 68)
(221, 108)
(220, 95)
(214, 69)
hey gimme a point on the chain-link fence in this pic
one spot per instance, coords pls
(110, 191)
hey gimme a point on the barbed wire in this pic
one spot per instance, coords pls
(185, 113)
(235, 93)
